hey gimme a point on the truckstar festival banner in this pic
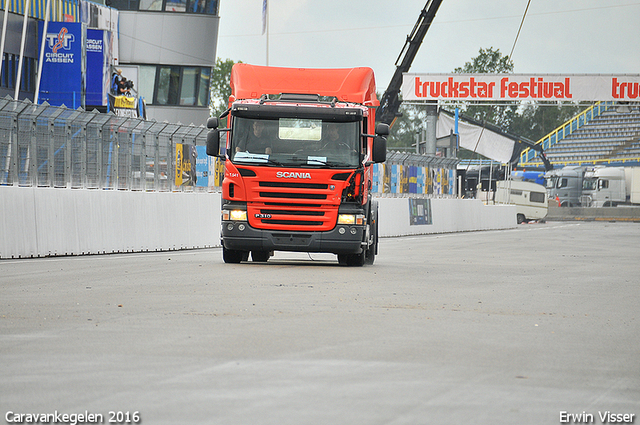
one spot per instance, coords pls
(510, 87)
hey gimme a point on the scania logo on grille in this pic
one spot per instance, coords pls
(292, 175)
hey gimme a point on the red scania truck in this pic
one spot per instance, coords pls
(298, 152)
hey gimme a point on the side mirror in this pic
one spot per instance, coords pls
(213, 141)
(379, 153)
(382, 129)
(213, 122)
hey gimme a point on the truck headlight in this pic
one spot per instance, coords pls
(357, 219)
(234, 215)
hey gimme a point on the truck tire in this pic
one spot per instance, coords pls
(356, 260)
(352, 260)
(373, 248)
(520, 218)
(233, 256)
(260, 256)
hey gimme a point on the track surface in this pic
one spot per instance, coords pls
(500, 327)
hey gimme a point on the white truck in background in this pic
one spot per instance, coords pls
(610, 186)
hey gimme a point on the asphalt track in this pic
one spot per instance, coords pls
(523, 326)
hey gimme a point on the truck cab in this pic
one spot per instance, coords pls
(298, 152)
(604, 187)
(565, 184)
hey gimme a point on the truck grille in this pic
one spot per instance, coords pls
(281, 205)
(294, 185)
(287, 195)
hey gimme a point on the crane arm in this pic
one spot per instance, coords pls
(390, 101)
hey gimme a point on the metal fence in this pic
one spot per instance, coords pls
(407, 174)
(50, 146)
(43, 145)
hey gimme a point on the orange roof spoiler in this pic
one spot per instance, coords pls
(356, 85)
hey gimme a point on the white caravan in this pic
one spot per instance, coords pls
(530, 199)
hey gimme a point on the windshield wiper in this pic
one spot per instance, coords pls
(250, 160)
(274, 162)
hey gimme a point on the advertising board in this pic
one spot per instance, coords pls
(63, 67)
(510, 87)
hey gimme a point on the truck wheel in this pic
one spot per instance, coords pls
(260, 256)
(233, 256)
(352, 260)
(373, 248)
(370, 254)
(520, 218)
(356, 260)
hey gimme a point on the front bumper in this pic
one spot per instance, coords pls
(343, 239)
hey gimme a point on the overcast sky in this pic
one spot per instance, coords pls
(558, 36)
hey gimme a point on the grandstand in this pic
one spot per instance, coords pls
(605, 134)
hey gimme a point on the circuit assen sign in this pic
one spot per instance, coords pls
(510, 87)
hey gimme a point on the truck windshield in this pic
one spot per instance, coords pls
(295, 142)
(590, 183)
(550, 182)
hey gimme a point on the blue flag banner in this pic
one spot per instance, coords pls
(62, 80)
(98, 77)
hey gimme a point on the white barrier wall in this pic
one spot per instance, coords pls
(40, 222)
(448, 215)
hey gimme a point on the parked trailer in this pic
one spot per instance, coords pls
(530, 199)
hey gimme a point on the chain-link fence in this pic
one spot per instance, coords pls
(43, 145)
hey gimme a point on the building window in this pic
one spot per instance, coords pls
(124, 4)
(203, 88)
(189, 86)
(28, 75)
(167, 85)
(175, 6)
(10, 65)
(174, 85)
(146, 82)
(209, 7)
(150, 4)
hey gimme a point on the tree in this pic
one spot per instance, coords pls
(404, 129)
(494, 62)
(536, 120)
(220, 87)
(487, 61)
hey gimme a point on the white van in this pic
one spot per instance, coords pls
(530, 199)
